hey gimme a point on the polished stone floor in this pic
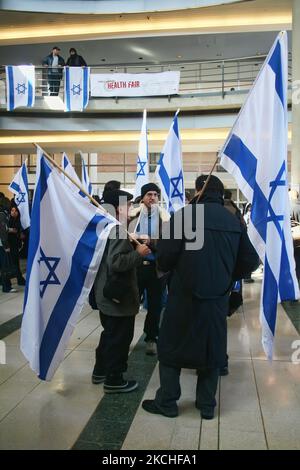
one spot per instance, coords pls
(258, 402)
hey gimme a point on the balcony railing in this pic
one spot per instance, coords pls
(216, 77)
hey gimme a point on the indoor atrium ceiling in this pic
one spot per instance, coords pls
(243, 16)
(108, 6)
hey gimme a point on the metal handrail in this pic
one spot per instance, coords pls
(201, 77)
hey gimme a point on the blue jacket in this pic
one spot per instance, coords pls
(48, 61)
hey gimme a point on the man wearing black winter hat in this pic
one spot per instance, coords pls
(193, 332)
(146, 223)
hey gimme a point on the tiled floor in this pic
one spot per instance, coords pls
(258, 403)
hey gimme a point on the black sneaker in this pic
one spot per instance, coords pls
(125, 386)
(98, 379)
(207, 414)
(150, 407)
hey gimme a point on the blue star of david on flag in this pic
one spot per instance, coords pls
(141, 168)
(21, 88)
(20, 198)
(76, 89)
(51, 263)
(255, 153)
(177, 186)
(274, 185)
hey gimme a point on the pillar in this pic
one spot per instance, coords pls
(295, 168)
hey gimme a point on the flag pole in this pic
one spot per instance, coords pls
(96, 203)
(200, 194)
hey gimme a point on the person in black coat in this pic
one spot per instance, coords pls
(14, 242)
(193, 332)
(55, 64)
(75, 60)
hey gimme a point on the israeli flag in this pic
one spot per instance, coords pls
(255, 153)
(85, 180)
(67, 240)
(142, 171)
(20, 86)
(19, 187)
(69, 169)
(77, 81)
(169, 172)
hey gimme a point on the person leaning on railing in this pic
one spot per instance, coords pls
(55, 64)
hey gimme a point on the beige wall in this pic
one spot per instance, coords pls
(6, 174)
(111, 166)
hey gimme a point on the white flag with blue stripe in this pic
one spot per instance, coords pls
(67, 239)
(19, 187)
(20, 86)
(255, 153)
(169, 171)
(142, 170)
(77, 81)
(85, 180)
(69, 169)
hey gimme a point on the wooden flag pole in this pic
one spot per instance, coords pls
(200, 194)
(96, 203)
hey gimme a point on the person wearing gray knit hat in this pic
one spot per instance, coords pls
(146, 223)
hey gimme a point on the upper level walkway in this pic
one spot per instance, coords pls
(204, 85)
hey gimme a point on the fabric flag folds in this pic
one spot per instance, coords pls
(20, 86)
(255, 153)
(67, 239)
(77, 81)
(142, 171)
(169, 171)
(19, 187)
(69, 169)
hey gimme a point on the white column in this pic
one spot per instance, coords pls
(295, 171)
(94, 171)
(85, 157)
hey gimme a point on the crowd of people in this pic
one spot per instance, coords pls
(191, 332)
(188, 291)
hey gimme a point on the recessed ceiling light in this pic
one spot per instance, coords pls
(179, 56)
